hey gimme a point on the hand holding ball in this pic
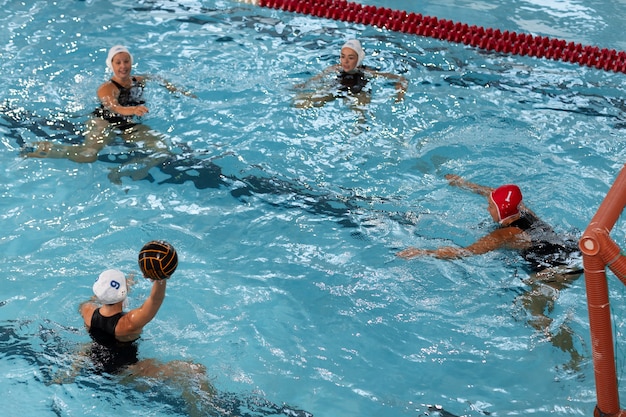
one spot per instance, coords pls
(158, 260)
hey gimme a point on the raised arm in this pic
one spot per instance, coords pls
(130, 325)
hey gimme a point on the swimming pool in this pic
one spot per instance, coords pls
(287, 220)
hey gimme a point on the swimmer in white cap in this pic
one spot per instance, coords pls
(121, 106)
(115, 333)
(553, 261)
(114, 349)
(352, 78)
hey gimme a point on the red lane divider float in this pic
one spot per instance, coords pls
(476, 36)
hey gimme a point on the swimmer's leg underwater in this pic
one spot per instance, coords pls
(137, 162)
(539, 301)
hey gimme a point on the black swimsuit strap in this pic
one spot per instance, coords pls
(118, 85)
(121, 87)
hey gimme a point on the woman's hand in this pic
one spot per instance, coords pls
(454, 179)
(139, 110)
(411, 253)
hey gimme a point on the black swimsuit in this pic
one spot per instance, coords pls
(107, 353)
(352, 82)
(128, 97)
(547, 248)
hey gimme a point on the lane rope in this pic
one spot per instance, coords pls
(477, 36)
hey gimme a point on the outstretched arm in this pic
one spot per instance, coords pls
(326, 71)
(478, 189)
(401, 83)
(445, 252)
(508, 237)
(462, 183)
(169, 86)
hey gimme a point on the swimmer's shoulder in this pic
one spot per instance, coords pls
(108, 88)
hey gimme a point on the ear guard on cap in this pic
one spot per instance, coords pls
(507, 199)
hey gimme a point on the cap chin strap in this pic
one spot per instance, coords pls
(507, 218)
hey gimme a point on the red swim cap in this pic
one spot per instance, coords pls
(507, 199)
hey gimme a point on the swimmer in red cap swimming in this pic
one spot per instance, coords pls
(553, 260)
(519, 229)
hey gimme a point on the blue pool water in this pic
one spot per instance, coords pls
(287, 220)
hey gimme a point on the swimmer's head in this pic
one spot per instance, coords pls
(355, 46)
(114, 51)
(506, 200)
(110, 287)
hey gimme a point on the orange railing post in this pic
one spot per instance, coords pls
(599, 251)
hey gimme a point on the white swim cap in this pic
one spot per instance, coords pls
(355, 45)
(110, 287)
(114, 51)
